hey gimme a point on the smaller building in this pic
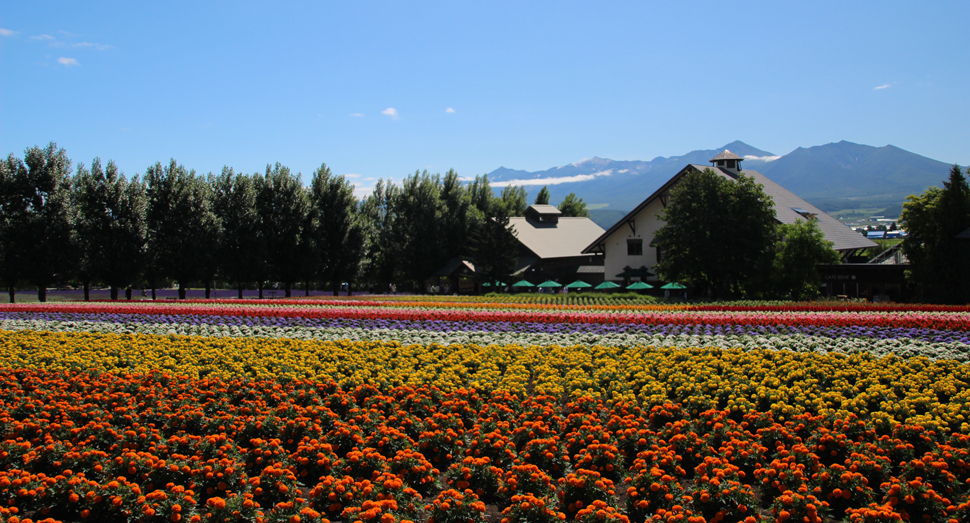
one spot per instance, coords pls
(551, 246)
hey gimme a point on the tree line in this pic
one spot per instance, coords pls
(94, 226)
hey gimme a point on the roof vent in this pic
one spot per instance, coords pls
(543, 213)
(728, 161)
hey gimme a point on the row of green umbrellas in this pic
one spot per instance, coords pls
(578, 284)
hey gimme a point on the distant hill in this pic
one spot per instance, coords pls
(834, 176)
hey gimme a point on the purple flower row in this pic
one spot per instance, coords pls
(872, 333)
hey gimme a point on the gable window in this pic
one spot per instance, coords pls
(634, 247)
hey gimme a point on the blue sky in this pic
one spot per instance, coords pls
(381, 89)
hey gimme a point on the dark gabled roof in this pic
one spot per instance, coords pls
(843, 238)
(965, 235)
(726, 155)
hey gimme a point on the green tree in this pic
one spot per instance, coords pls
(418, 227)
(716, 231)
(932, 220)
(11, 258)
(182, 230)
(573, 206)
(456, 215)
(515, 200)
(480, 193)
(380, 263)
(239, 248)
(543, 197)
(338, 235)
(493, 248)
(38, 218)
(800, 248)
(109, 226)
(283, 205)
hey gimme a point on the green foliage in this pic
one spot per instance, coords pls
(238, 248)
(456, 222)
(337, 232)
(493, 248)
(109, 225)
(418, 226)
(543, 197)
(283, 205)
(379, 217)
(718, 232)
(938, 260)
(480, 193)
(801, 246)
(37, 225)
(514, 199)
(181, 227)
(573, 206)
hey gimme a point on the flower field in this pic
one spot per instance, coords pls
(451, 411)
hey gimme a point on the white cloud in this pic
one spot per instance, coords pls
(885, 86)
(68, 62)
(553, 181)
(42, 37)
(390, 111)
(357, 115)
(761, 158)
(7, 32)
(351, 175)
(362, 192)
(99, 47)
(449, 110)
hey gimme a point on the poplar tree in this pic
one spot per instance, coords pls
(110, 226)
(543, 197)
(932, 221)
(573, 206)
(418, 227)
(337, 234)
(239, 248)
(283, 205)
(515, 200)
(494, 248)
(379, 217)
(37, 229)
(182, 230)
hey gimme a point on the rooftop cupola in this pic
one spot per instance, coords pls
(728, 161)
(545, 214)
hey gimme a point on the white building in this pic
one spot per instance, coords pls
(628, 244)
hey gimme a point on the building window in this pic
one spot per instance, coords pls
(634, 247)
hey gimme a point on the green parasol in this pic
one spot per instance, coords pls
(638, 286)
(607, 285)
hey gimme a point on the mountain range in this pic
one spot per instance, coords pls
(833, 177)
